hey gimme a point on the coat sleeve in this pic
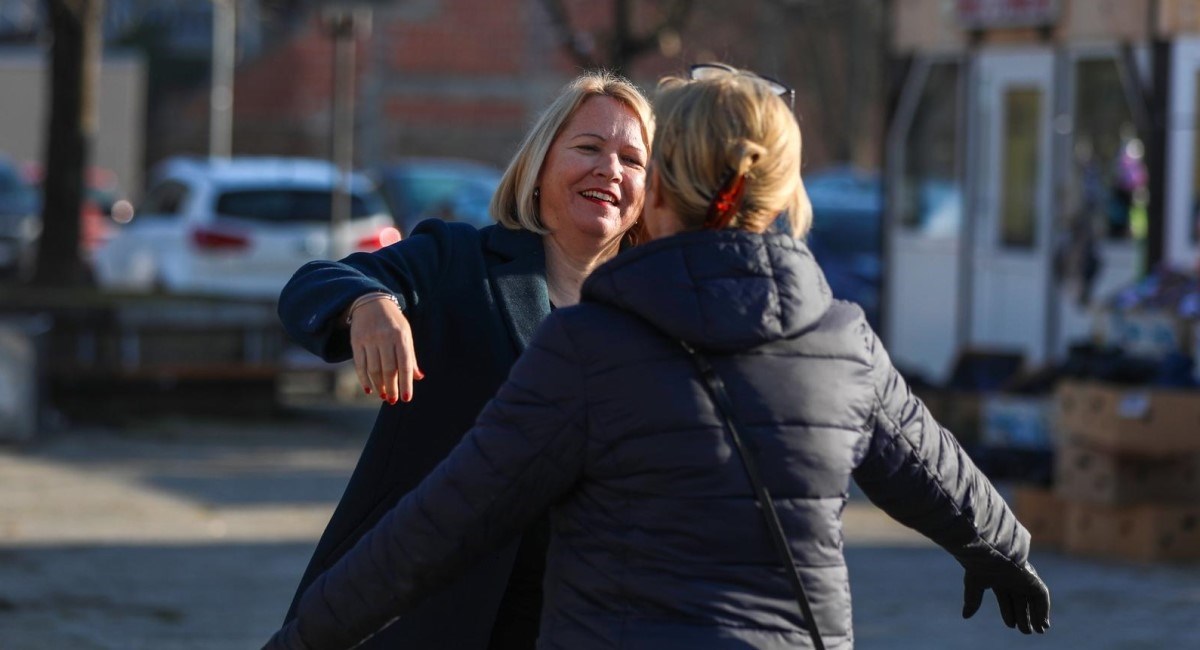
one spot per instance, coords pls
(916, 471)
(524, 452)
(320, 291)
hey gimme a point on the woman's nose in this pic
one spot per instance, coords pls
(610, 167)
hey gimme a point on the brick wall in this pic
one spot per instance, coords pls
(467, 77)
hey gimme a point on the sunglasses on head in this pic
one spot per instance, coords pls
(702, 71)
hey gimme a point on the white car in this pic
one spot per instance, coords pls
(238, 227)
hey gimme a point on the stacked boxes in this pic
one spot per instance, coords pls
(1127, 474)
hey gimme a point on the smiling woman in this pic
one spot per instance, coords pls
(590, 191)
(469, 300)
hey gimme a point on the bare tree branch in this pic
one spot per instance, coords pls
(676, 17)
(624, 46)
(566, 34)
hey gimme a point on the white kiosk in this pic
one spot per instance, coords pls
(1013, 143)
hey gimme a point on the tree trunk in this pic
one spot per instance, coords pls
(74, 69)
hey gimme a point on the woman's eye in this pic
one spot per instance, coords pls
(588, 147)
(635, 162)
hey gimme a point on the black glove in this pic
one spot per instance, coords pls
(1023, 598)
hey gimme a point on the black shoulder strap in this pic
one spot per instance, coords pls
(717, 388)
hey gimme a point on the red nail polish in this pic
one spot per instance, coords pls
(367, 390)
(407, 397)
(383, 395)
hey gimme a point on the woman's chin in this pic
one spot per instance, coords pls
(600, 227)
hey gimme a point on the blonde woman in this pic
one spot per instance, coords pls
(456, 306)
(642, 453)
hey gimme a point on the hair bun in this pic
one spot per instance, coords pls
(744, 154)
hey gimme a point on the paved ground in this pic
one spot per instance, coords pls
(191, 535)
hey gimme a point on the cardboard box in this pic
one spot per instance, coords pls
(1140, 533)
(1016, 422)
(1091, 475)
(1118, 419)
(1040, 510)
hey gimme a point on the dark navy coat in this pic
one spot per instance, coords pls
(657, 543)
(474, 299)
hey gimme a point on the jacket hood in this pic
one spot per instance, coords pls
(721, 290)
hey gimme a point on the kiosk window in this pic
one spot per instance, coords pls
(930, 191)
(1194, 228)
(1109, 173)
(1018, 189)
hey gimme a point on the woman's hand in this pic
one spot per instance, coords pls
(383, 350)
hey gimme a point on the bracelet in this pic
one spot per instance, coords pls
(366, 298)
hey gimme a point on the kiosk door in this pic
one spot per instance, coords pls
(1011, 270)
(1183, 144)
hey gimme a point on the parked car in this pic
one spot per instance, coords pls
(847, 208)
(20, 222)
(452, 189)
(237, 227)
(101, 191)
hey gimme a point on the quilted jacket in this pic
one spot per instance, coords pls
(656, 539)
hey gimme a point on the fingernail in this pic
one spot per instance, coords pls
(407, 396)
(392, 401)
(383, 395)
(418, 374)
(367, 390)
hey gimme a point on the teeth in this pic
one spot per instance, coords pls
(599, 195)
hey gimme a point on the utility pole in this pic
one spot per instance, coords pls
(224, 48)
(345, 26)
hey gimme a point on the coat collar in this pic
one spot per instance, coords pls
(718, 290)
(517, 268)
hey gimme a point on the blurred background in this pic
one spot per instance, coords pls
(1008, 189)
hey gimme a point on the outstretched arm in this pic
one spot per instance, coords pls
(525, 451)
(315, 302)
(916, 471)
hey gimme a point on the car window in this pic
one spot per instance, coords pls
(417, 194)
(425, 192)
(291, 205)
(165, 198)
(16, 197)
(9, 180)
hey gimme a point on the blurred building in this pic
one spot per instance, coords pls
(466, 78)
(1040, 153)
(121, 102)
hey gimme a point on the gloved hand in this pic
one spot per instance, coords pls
(1023, 598)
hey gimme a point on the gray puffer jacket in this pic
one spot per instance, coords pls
(657, 541)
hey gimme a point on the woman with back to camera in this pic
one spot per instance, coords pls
(610, 420)
(467, 302)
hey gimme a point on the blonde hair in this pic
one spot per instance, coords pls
(711, 128)
(514, 204)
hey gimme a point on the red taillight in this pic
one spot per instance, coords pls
(385, 237)
(218, 240)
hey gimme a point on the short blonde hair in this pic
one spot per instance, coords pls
(732, 123)
(514, 204)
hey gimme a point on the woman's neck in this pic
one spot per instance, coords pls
(567, 268)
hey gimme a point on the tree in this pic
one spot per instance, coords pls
(839, 47)
(74, 73)
(621, 46)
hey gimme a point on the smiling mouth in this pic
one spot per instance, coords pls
(596, 195)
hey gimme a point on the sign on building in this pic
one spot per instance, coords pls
(991, 14)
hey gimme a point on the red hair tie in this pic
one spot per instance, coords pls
(727, 201)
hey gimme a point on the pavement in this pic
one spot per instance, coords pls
(186, 533)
